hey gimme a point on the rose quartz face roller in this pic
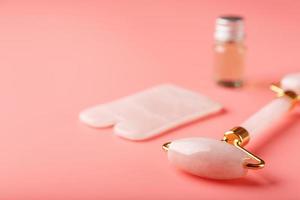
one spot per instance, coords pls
(227, 159)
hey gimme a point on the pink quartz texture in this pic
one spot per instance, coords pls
(291, 82)
(266, 116)
(275, 110)
(60, 57)
(150, 112)
(207, 158)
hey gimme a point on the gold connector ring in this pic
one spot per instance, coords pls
(239, 137)
(281, 92)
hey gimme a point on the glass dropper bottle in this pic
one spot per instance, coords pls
(229, 51)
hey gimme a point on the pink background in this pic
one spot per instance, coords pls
(59, 57)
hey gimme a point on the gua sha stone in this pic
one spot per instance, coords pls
(151, 112)
(227, 159)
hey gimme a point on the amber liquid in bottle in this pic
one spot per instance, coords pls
(229, 63)
(229, 51)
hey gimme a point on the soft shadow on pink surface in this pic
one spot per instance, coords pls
(250, 180)
(260, 84)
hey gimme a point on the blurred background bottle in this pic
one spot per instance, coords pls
(229, 51)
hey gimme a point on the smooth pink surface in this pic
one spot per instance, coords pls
(59, 57)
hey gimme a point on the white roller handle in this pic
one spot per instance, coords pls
(265, 117)
(273, 111)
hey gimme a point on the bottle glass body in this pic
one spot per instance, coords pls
(229, 61)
